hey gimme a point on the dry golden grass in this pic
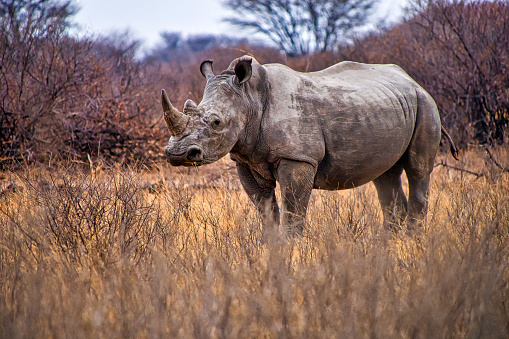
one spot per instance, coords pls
(124, 253)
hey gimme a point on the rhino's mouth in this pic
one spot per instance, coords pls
(193, 156)
(185, 163)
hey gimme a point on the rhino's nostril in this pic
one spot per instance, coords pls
(167, 151)
(194, 154)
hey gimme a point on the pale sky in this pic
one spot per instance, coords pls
(146, 19)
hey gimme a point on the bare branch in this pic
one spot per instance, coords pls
(301, 26)
(504, 169)
(444, 164)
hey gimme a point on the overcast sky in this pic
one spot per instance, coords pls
(146, 19)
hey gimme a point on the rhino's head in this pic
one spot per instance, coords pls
(204, 133)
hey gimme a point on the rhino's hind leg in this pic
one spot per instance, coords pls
(391, 196)
(419, 159)
(418, 186)
(418, 167)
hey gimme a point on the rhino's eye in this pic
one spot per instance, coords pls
(215, 121)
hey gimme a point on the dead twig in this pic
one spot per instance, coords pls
(444, 164)
(504, 169)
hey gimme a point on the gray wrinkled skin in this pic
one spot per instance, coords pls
(333, 129)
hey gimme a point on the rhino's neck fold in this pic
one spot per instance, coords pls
(251, 145)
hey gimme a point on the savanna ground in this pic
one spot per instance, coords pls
(127, 252)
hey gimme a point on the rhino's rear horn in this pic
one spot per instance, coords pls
(206, 69)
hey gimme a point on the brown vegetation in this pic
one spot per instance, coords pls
(66, 99)
(123, 253)
(458, 52)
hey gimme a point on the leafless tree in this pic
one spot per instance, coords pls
(301, 26)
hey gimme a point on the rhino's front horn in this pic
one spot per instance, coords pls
(175, 120)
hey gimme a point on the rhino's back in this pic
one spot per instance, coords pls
(357, 120)
(345, 66)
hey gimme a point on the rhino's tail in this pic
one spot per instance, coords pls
(454, 149)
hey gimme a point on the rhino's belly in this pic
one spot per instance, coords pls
(340, 180)
(348, 169)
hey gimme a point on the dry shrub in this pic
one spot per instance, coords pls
(68, 98)
(110, 254)
(457, 50)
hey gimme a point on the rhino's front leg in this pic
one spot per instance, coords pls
(262, 194)
(296, 180)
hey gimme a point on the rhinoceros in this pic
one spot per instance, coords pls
(333, 129)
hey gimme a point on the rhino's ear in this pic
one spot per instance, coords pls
(206, 69)
(243, 70)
